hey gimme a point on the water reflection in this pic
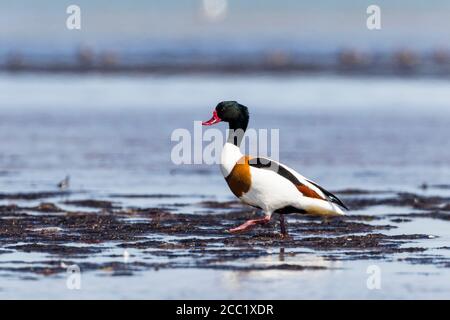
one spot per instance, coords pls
(282, 257)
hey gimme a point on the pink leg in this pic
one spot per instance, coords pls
(249, 225)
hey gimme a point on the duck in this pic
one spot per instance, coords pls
(266, 184)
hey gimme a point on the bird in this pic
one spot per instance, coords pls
(64, 184)
(264, 183)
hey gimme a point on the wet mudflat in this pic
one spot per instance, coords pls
(108, 236)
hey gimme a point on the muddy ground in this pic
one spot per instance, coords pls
(171, 237)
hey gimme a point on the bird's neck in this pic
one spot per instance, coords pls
(237, 130)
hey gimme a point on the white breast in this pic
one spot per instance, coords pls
(230, 155)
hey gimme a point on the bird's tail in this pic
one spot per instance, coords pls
(323, 208)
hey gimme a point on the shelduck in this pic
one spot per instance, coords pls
(264, 183)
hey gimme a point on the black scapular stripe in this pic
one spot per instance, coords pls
(264, 163)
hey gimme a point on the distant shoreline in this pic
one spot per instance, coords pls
(346, 62)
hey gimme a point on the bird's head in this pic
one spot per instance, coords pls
(232, 112)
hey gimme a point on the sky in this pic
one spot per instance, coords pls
(140, 24)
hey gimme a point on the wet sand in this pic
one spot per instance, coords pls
(200, 241)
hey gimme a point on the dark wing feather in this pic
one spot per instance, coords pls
(330, 196)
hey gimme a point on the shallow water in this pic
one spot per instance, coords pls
(112, 136)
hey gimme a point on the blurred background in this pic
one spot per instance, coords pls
(355, 107)
(226, 36)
